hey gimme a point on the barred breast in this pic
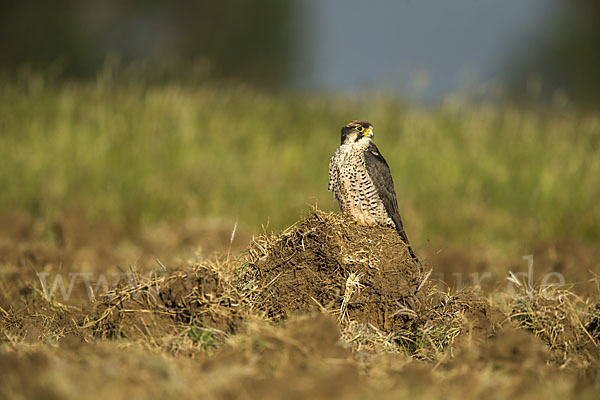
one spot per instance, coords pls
(351, 185)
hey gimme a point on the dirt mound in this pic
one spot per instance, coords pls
(198, 302)
(365, 277)
(324, 262)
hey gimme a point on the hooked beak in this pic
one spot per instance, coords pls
(369, 133)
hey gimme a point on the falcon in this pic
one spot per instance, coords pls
(361, 181)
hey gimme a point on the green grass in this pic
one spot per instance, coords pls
(138, 155)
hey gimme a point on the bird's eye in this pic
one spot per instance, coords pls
(360, 128)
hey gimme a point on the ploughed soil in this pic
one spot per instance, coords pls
(323, 309)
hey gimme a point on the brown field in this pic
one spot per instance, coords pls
(324, 309)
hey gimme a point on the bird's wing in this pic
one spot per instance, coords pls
(380, 174)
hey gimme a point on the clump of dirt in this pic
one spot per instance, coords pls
(454, 318)
(35, 318)
(593, 323)
(324, 262)
(364, 276)
(193, 301)
(564, 321)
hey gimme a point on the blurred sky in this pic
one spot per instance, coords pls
(421, 48)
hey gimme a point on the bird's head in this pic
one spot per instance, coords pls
(355, 131)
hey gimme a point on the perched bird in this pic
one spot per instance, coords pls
(361, 181)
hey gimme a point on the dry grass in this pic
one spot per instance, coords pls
(561, 319)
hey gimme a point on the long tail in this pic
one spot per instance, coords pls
(400, 230)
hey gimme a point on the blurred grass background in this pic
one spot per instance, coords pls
(143, 112)
(140, 154)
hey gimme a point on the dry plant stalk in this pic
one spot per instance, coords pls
(353, 285)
